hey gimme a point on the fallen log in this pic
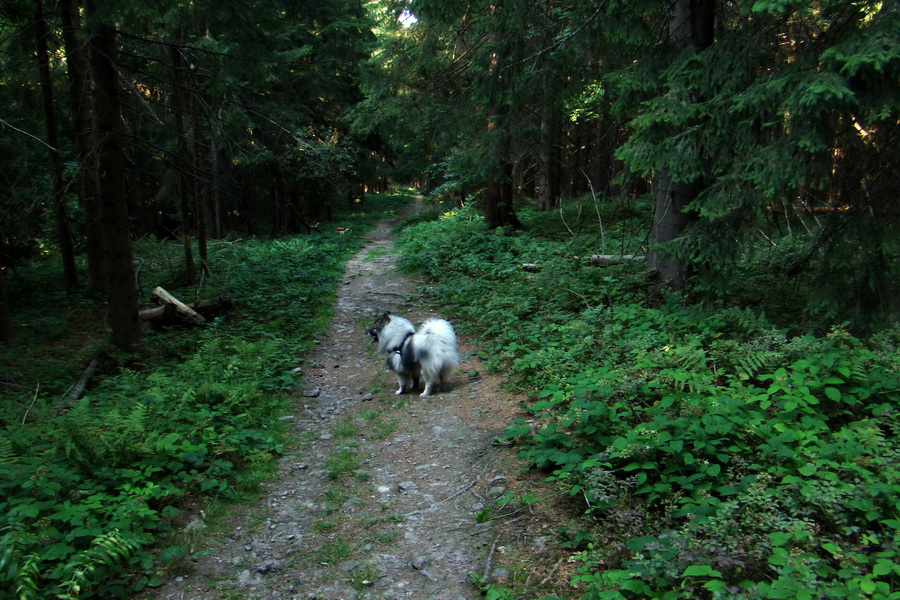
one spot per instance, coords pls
(167, 298)
(172, 314)
(599, 259)
(164, 311)
(79, 387)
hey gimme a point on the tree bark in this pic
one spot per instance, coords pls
(498, 206)
(669, 222)
(498, 199)
(184, 159)
(58, 190)
(549, 160)
(6, 329)
(121, 291)
(692, 24)
(77, 67)
(201, 190)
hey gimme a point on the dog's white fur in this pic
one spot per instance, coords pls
(429, 353)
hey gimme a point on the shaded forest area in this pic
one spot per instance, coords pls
(737, 124)
(727, 154)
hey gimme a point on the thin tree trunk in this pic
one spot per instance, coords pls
(58, 190)
(187, 179)
(201, 187)
(215, 181)
(6, 329)
(549, 161)
(121, 290)
(77, 67)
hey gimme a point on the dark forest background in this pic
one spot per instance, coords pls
(657, 214)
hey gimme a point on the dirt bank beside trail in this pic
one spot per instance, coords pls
(381, 496)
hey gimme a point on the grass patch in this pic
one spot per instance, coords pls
(334, 552)
(343, 461)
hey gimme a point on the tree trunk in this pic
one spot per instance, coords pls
(498, 199)
(669, 222)
(201, 195)
(549, 160)
(184, 159)
(121, 290)
(58, 190)
(77, 67)
(5, 311)
(215, 218)
(692, 24)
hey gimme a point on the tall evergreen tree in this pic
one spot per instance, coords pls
(772, 118)
(57, 185)
(121, 290)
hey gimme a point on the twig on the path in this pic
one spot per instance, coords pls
(497, 526)
(459, 493)
(448, 499)
(552, 571)
(25, 416)
(490, 558)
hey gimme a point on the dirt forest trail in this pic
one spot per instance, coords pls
(378, 496)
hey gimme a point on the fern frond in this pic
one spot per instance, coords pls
(21, 572)
(7, 456)
(753, 361)
(108, 552)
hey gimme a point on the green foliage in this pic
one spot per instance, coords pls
(87, 493)
(772, 133)
(714, 454)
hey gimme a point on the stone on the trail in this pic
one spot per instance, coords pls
(313, 393)
(195, 524)
(541, 543)
(244, 577)
(349, 565)
(407, 486)
(419, 563)
(367, 398)
(267, 568)
(496, 491)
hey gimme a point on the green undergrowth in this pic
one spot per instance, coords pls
(710, 453)
(90, 489)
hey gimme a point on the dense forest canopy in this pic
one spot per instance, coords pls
(741, 124)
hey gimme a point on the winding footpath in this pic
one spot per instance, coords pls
(381, 495)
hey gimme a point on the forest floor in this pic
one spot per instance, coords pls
(379, 495)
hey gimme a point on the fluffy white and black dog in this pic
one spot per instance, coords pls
(429, 353)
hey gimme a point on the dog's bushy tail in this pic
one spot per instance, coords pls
(436, 345)
(439, 328)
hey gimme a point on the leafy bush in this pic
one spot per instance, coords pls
(715, 454)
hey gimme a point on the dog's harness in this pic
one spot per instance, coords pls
(399, 347)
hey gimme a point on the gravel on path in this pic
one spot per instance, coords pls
(380, 496)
